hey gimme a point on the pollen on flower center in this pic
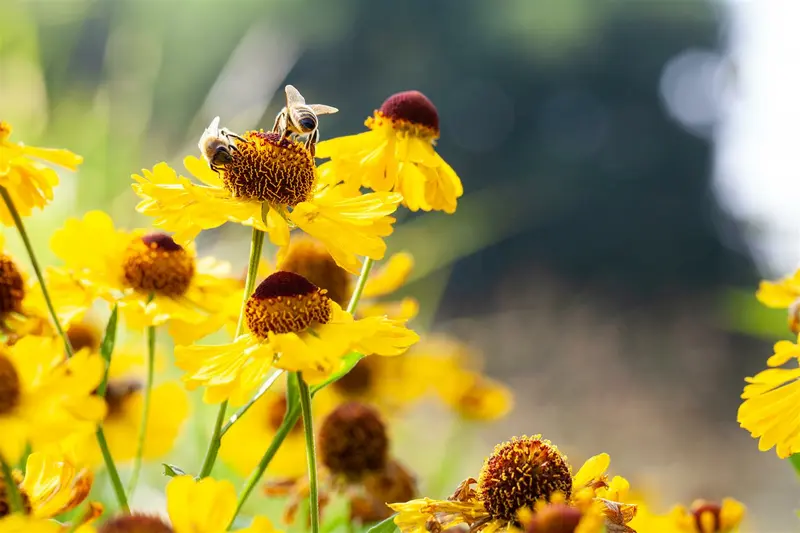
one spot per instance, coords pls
(357, 381)
(10, 387)
(520, 472)
(286, 302)
(12, 286)
(353, 441)
(117, 392)
(270, 170)
(135, 523)
(157, 264)
(411, 112)
(276, 413)
(311, 260)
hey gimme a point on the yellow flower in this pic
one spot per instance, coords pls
(271, 185)
(451, 368)
(584, 515)
(397, 154)
(28, 181)
(45, 398)
(521, 473)
(244, 443)
(20, 523)
(55, 483)
(701, 517)
(783, 294)
(205, 506)
(150, 277)
(771, 407)
(292, 325)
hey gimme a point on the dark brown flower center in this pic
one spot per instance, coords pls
(12, 286)
(135, 523)
(707, 509)
(270, 170)
(10, 387)
(156, 264)
(353, 441)
(411, 107)
(521, 472)
(83, 336)
(118, 392)
(555, 518)
(311, 260)
(286, 302)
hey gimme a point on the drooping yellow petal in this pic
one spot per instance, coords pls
(592, 470)
(771, 410)
(54, 484)
(390, 277)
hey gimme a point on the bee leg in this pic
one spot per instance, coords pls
(276, 125)
(311, 141)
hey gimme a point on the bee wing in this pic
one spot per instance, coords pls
(213, 128)
(293, 96)
(321, 109)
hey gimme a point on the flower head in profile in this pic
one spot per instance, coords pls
(783, 294)
(292, 325)
(397, 154)
(153, 279)
(520, 474)
(205, 506)
(25, 176)
(270, 184)
(771, 407)
(45, 397)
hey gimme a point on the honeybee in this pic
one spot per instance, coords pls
(300, 118)
(217, 145)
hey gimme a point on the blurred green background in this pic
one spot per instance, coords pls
(589, 258)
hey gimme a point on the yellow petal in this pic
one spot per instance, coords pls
(390, 277)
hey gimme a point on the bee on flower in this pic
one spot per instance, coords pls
(152, 279)
(397, 154)
(25, 180)
(268, 181)
(520, 474)
(293, 325)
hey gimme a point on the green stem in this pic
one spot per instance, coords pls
(116, 482)
(360, 284)
(256, 245)
(311, 452)
(14, 497)
(148, 392)
(36, 268)
(293, 414)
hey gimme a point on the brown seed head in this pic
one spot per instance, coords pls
(117, 393)
(157, 264)
(554, 518)
(412, 111)
(353, 441)
(135, 523)
(12, 286)
(10, 387)
(286, 302)
(84, 336)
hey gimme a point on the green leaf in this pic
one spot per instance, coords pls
(387, 526)
(348, 362)
(172, 470)
(107, 348)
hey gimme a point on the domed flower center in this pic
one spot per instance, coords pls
(520, 472)
(270, 170)
(117, 393)
(156, 264)
(10, 387)
(135, 523)
(410, 112)
(353, 441)
(555, 518)
(311, 260)
(83, 336)
(12, 286)
(707, 517)
(357, 381)
(276, 413)
(286, 302)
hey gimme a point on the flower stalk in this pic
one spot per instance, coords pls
(148, 392)
(311, 452)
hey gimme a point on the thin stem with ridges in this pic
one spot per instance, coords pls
(148, 392)
(36, 268)
(116, 482)
(311, 452)
(12, 490)
(293, 414)
(256, 245)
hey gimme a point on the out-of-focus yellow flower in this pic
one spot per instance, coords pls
(271, 185)
(23, 174)
(397, 154)
(783, 294)
(55, 483)
(519, 474)
(701, 517)
(292, 325)
(150, 277)
(204, 506)
(583, 515)
(20, 523)
(45, 397)
(771, 407)
(243, 444)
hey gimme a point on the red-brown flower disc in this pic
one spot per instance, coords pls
(286, 302)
